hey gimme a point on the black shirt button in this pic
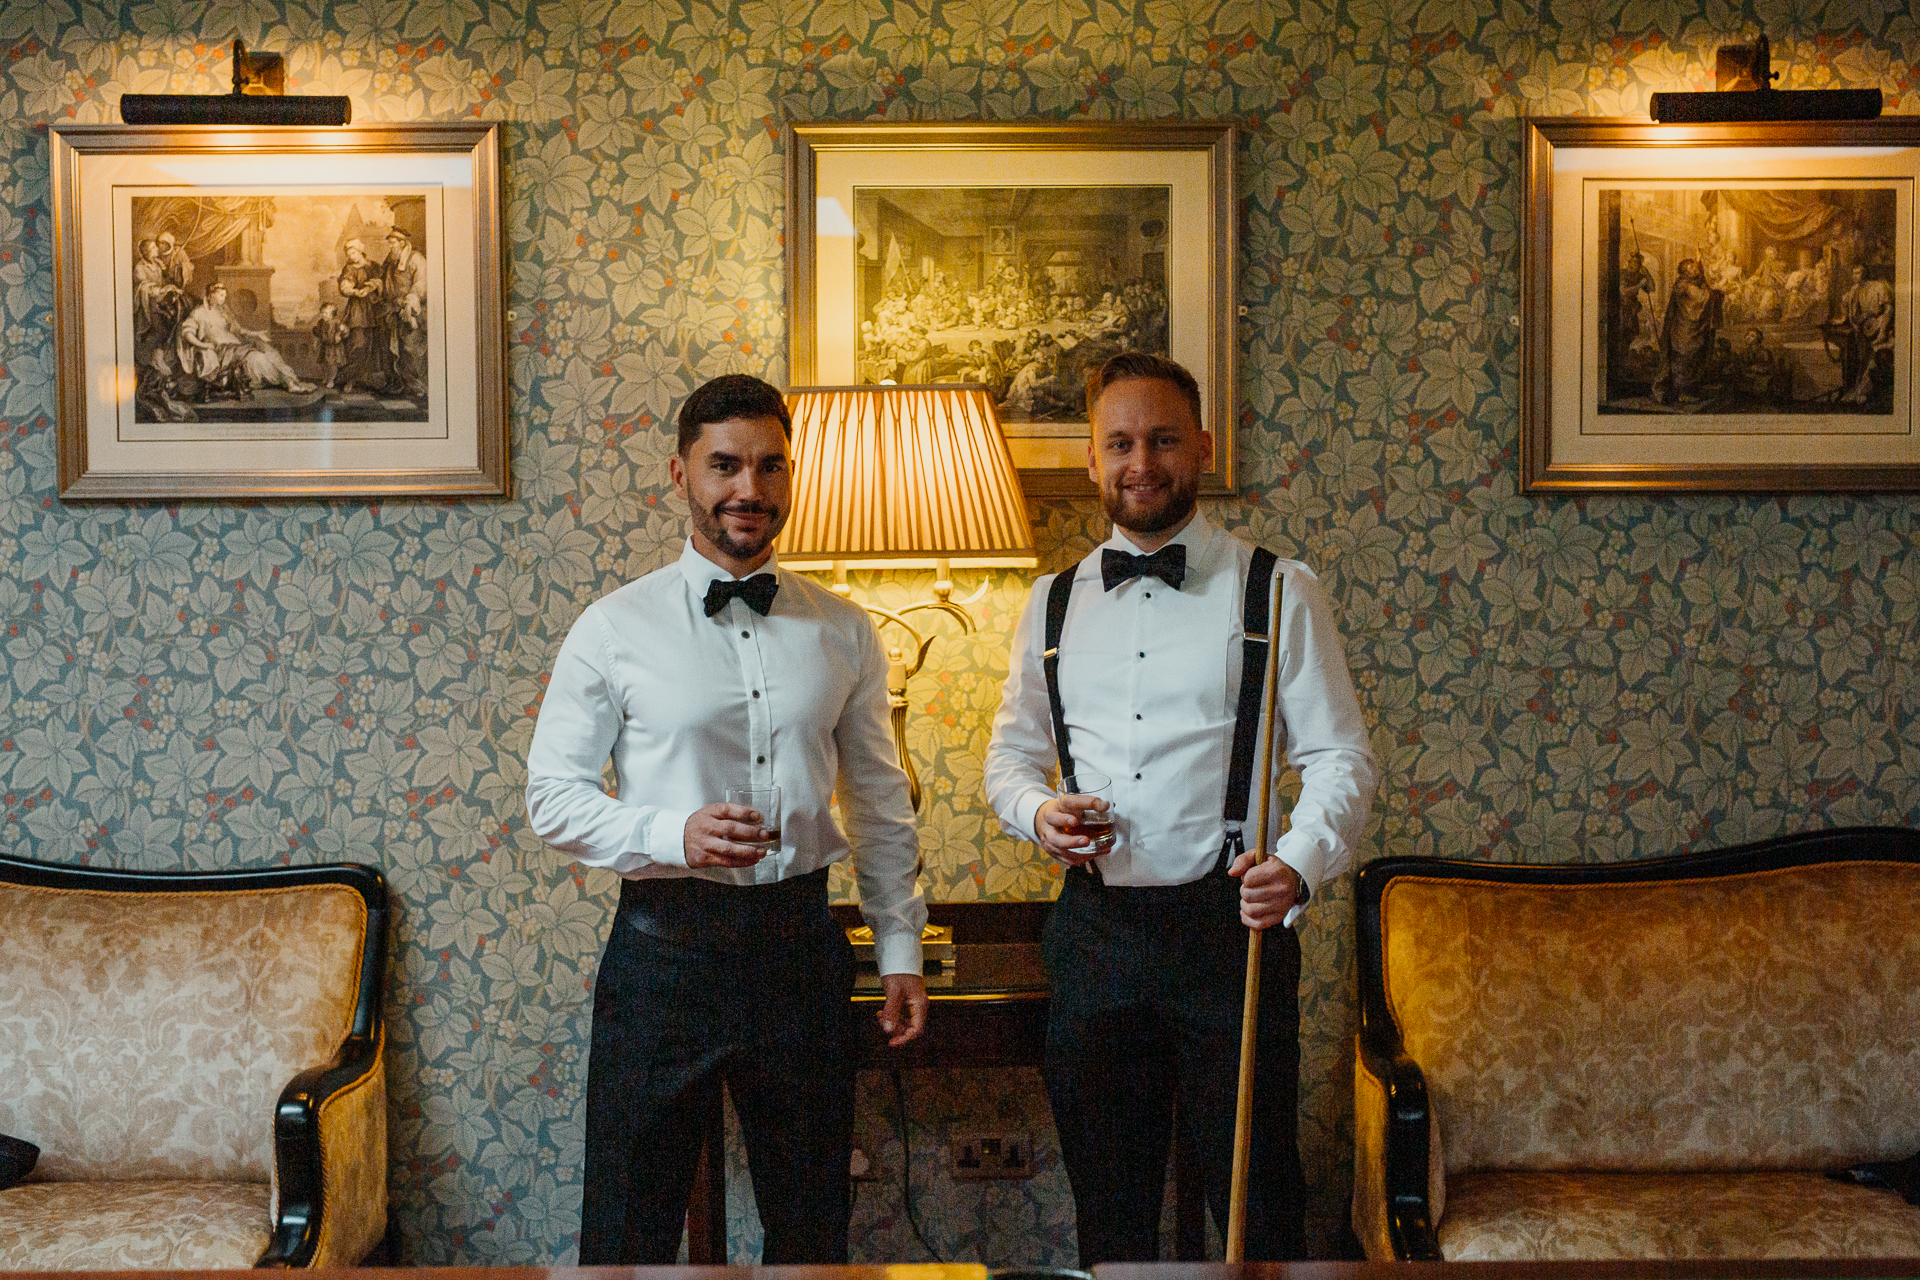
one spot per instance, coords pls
(763, 760)
(1136, 777)
(743, 635)
(1143, 653)
(1136, 715)
(756, 693)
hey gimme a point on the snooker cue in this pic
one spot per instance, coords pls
(1250, 1006)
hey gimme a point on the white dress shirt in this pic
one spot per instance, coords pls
(687, 706)
(1150, 682)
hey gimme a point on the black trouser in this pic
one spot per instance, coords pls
(701, 983)
(1148, 985)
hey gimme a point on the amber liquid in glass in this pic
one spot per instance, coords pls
(1097, 827)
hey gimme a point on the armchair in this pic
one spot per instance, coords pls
(198, 1056)
(1658, 1059)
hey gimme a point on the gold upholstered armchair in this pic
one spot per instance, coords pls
(198, 1058)
(1713, 1055)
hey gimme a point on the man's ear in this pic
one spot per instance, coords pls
(1093, 471)
(1208, 437)
(677, 472)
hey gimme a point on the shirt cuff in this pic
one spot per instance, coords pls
(667, 837)
(1026, 807)
(1305, 858)
(897, 953)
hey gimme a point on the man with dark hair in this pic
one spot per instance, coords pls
(723, 671)
(1145, 663)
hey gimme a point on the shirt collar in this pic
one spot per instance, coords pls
(699, 571)
(1197, 537)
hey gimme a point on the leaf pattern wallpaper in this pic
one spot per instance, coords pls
(221, 685)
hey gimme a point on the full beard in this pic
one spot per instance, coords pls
(1176, 505)
(710, 523)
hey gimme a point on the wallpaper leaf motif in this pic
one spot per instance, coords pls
(214, 685)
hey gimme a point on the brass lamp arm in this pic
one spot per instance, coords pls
(951, 608)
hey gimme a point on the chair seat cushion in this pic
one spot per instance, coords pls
(127, 1226)
(1511, 1217)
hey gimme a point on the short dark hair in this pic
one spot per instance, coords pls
(731, 395)
(1139, 364)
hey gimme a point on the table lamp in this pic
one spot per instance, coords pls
(904, 477)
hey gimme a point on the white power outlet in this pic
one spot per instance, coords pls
(991, 1155)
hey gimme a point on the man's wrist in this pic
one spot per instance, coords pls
(1026, 812)
(666, 836)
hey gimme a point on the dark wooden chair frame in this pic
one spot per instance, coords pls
(1410, 1225)
(296, 1117)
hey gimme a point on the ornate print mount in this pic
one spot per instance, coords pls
(269, 317)
(1019, 257)
(1727, 313)
(248, 314)
(1788, 314)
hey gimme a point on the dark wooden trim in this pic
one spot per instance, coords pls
(1806, 848)
(1409, 1216)
(296, 1120)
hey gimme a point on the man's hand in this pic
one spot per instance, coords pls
(904, 1015)
(717, 836)
(1055, 821)
(1267, 892)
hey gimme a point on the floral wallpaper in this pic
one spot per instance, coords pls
(1548, 679)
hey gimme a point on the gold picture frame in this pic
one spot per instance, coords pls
(267, 313)
(1038, 222)
(1719, 308)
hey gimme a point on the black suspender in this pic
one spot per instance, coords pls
(1056, 622)
(1254, 622)
(1253, 666)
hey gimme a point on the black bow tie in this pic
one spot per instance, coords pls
(757, 591)
(1169, 564)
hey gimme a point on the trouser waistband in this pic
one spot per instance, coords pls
(707, 915)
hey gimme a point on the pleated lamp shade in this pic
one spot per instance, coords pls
(890, 477)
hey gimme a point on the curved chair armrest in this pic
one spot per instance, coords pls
(330, 1161)
(1399, 1184)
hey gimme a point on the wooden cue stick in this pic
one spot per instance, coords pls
(1250, 1006)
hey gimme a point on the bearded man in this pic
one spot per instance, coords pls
(724, 671)
(1145, 663)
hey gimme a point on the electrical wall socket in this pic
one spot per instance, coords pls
(991, 1155)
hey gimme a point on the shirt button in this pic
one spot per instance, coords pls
(756, 693)
(1136, 715)
(1136, 777)
(759, 759)
(1149, 595)
(743, 635)
(1143, 653)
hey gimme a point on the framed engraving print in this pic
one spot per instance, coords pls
(278, 312)
(1019, 256)
(1719, 307)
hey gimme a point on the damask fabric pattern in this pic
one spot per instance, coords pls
(148, 1036)
(1512, 1217)
(219, 684)
(1748, 1022)
(124, 1226)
